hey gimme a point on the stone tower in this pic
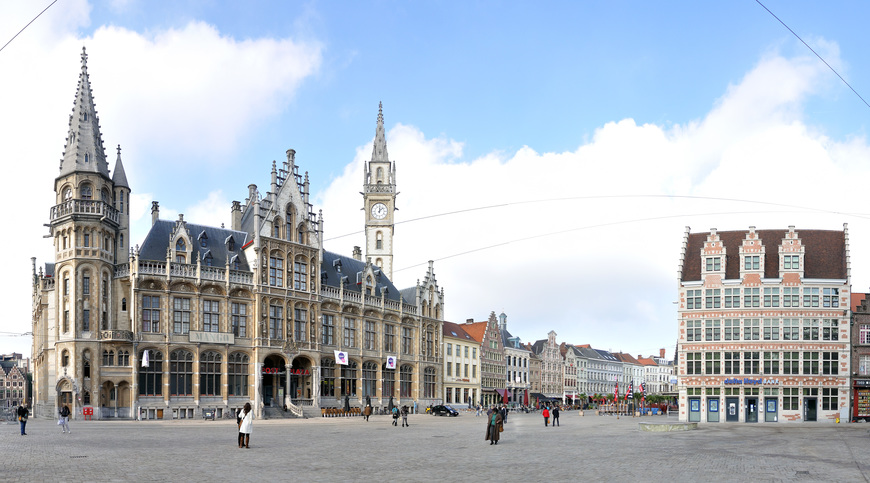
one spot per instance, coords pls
(379, 194)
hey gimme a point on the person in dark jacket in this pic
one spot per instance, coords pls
(555, 416)
(405, 416)
(64, 419)
(494, 427)
(23, 413)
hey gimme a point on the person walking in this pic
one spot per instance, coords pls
(478, 411)
(395, 412)
(494, 427)
(546, 413)
(504, 414)
(405, 416)
(22, 418)
(246, 426)
(367, 411)
(555, 416)
(64, 419)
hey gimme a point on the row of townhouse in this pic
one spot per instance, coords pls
(486, 364)
(769, 328)
(14, 382)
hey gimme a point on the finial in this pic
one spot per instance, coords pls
(380, 112)
(84, 58)
(119, 150)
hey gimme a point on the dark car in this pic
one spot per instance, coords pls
(443, 411)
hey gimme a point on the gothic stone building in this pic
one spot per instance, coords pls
(208, 318)
(764, 325)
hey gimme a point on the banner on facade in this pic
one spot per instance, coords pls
(145, 358)
(341, 357)
(391, 362)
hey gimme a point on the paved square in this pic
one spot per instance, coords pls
(351, 449)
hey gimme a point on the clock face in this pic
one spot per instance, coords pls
(379, 211)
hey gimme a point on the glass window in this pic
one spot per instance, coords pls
(713, 299)
(732, 298)
(713, 264)
(811, 329)
(276, 271)
(408, 341)
(389, 338)
(349, 332)
(276, 315)
(752, 363)
(811, 297)
(830, 331)
(181, 373)
(791, 262)
(771, 297)
(210, 374)
(237, 374)
(771, 363)
(406, 375)
(713, 330)
(751, 329)
(751, 297)
(732, 329)
(300, 324)
(429, 382)
(327, 377)
(348, 380)
(370, 336)
(211, 316)
(240, 319)
(771, 329)
(693, 299)
(151, 376)
(811, 363)
(751, 262)
(693, 363)
(829, 363)
(693, 331)
(830, 297)
(791, 329)
(180, 315)
(369, 379)
(300, 275)
(790, 362)
(829, 398)
(327, 333)
(791, 297)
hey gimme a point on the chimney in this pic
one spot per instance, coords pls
(469, 321)
(662, 353)
(155, 212)
(236, 216)
(357, 253)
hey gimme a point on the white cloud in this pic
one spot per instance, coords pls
(607, 280)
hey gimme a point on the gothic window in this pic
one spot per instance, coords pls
(348, 379)
(289, 229)
(87, 193)
(389, 382)
(301, 234)
(180, 248)
(240, 319)
(210, 374)
(86, 364)
(181, 373)
(237, 374)
(86, 282)
(67, 194)
(369, 379)
(108, 358)
(151, 375)
(123, 358)
(87, 156)
(276, 228)
(300, 275)
(276, 270)
(327, 376)
(104, 195)
(406, 376)
(150, 313)
(379, 176)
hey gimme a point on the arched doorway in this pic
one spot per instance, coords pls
(274, 380)
(65, 395)
(108, 400)
(300, 380)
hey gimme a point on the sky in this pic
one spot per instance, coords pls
(549, 155)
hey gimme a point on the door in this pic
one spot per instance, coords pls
(752, 410)
(694, 409)
(731, 414)
(713, 410)
(770, 410)
(810, 409)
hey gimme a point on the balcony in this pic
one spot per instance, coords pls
(91, 208)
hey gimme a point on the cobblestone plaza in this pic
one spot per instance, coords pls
(351, 449)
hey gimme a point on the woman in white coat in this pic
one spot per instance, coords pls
(246, 425)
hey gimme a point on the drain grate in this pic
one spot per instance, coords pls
(802, 473)
(85, 456)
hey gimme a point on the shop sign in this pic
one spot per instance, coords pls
(750, 381)
(212, 337)
(862, 382)
(294, 372)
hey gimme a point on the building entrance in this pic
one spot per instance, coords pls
(274, 380)
(752, 410)
(713, 410)
(770, 415)
(731, 414)
(810, 408)
(694, 409)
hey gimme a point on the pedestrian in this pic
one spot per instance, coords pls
(405, 416)
(494, 427)
(22, 418)
(504, 414)
(367, 411)
(395, 411)
(555, 416)
(478, 410)
(546, 413)
(246, 425)
(64, 419)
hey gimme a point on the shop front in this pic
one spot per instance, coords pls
(861, 400)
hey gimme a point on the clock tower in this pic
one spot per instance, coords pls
(379, 198)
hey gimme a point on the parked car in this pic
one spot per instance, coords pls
(443, 411)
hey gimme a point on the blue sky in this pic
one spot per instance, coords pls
(485, 103)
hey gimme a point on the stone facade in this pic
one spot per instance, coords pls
(208, 318)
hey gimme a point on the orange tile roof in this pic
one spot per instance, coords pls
(476, 329)
(856, 300)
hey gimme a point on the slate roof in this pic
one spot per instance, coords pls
(157, 241)
(825, 256)
(606, 355)
(335, 267)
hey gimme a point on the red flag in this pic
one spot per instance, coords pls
(627, 393)
(616, 391)
(642, 392)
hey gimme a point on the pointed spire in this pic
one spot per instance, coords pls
(84, 147)
(379, 152)
(119, 177)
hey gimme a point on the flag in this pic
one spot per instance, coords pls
(340, 357)
(642, 391)
(628, 394)
(145, 358)
(391, 362)
(616, 390)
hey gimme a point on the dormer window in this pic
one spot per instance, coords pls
(231, 244)
(713, 264)
(791, 262)
(208, 260)
(751, 262)
(203, 240)
(180, 245)
(235, 263)
(276, 228)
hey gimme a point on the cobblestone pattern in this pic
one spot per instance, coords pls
(351, 449)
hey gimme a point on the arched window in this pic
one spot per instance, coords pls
(86, 364)
(301, 233)
(379, 176)
(151, 376)
(87, 156)
(327, 376)
(389, 385)
(237, 374)
(180, 248)
(104, 195)
(67, 194)
(123, 358)
(210, 374)
(181, 373)
(348, 379)
(86, 282)
(379, 240)
(87, 193)
(124, 304)
(406, 375)
(369, 379)
(429, 382)
(276, 228)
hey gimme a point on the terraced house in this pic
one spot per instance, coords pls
(204, 319)
(764, 326)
